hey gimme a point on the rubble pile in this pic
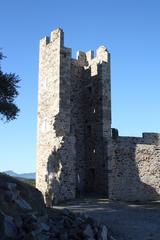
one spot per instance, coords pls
(23, 216)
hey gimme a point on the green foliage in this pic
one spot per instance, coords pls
(8, 93)
(29, 181)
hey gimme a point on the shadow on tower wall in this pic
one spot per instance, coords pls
(78, 130)
(135, 169)
(61, 169)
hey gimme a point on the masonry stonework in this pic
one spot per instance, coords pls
(78, 153)
(136, 168)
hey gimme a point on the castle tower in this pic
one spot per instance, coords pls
(74, 121)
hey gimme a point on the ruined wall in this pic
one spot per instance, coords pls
(136, 168)
(91, 119)
(55, 145)
(76, 153)
(74, 121)
(98, 122)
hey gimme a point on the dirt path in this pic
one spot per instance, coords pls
(127, 221)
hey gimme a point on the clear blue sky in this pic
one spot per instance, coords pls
(131, 31)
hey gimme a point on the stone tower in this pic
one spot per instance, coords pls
(74, 121)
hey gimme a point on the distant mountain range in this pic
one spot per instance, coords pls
(21, 175)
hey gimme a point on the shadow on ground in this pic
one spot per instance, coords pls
(128, 221)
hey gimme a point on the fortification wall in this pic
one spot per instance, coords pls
(136, 168)
(77, 122)
(56, 175)
(76, 153)
(74, 120)
(91, 118)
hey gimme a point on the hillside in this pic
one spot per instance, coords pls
(21, 175)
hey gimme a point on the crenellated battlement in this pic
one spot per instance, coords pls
(84, 59)
(88, 58)
(151, 138)
(81, 58)
(146, 138)
(56, 36)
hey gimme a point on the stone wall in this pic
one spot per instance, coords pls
(74, 120)
(77, 122)
(76, 154)
(136, 168)
(56, 145)
(91, 119)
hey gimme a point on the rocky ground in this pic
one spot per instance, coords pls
(23, 216)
